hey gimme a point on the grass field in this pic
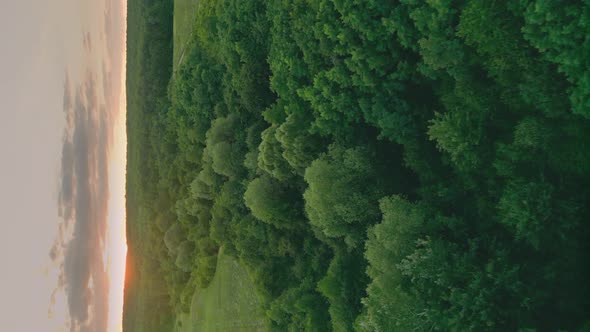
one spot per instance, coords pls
(230, 303)
(185, 12)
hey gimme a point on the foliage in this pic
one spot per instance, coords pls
(374, 165)
(342, 192)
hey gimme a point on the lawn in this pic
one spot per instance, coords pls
(230, 303)
(185, 13)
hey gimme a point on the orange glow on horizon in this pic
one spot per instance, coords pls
(116, 240)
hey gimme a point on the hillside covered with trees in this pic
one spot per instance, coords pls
(375, 165)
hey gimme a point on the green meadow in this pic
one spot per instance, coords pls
(185, 13)
(229, 303)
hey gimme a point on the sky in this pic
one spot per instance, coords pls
(62, 171)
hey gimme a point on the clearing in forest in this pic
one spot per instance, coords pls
(185, 13)
(230, 303)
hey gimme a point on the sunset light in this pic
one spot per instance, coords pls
(64, 143)
(116, 245)
(314, 165)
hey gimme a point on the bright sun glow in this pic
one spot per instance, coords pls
(116, 238)
(116, 245)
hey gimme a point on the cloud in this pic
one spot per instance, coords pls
(83, 206)
(87, 41)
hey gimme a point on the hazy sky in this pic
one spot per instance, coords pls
(62, 143)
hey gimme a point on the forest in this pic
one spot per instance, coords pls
(375, 165)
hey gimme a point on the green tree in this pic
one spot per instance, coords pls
(185, 256)
(341, 199)
(273, 203)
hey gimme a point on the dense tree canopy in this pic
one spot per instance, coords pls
(375, 165)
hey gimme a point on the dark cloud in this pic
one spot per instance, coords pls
(83, 205)
(90, 106)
